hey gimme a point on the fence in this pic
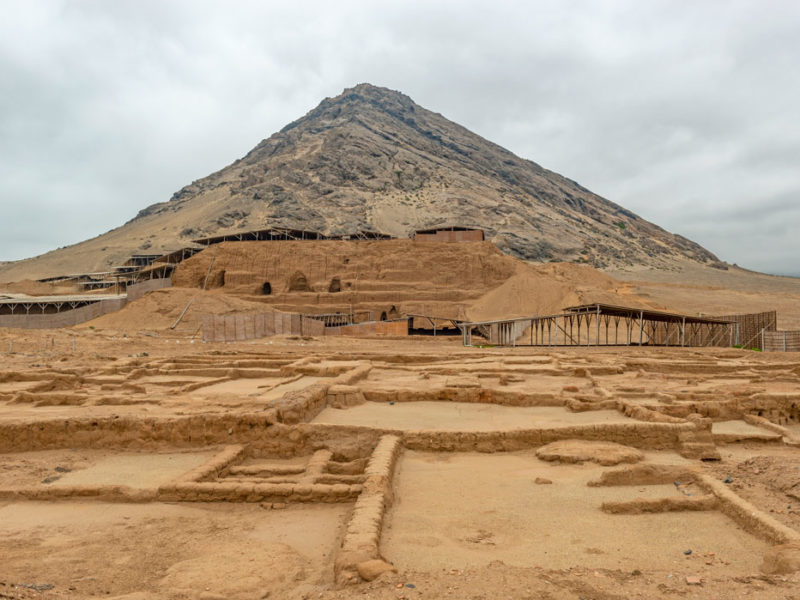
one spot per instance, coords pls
(749, 327)
(66, 318)
(239, 327)
(780, 341)
(603, 325)
(137, 290)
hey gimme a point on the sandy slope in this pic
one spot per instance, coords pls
(695, 289)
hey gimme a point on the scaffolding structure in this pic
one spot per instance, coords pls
(604, 325)
(287, 234)
(341, 319)
(44, 305)
(419, 324)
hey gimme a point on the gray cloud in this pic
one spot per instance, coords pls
(685, 113)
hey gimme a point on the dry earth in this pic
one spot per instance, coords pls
(146, 465)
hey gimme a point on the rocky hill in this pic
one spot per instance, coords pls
(372, 159)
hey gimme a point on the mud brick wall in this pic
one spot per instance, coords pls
(239, 327)
(781, 341)
(362, 538)
(473, 235)
(375, 328)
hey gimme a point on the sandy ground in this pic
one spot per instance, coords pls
(168, 551)
(766, 475)
(95, 467)
(464, 525)
(468, 510)
(462, 416)
(695, 289)
(743, 429)
(263, 389)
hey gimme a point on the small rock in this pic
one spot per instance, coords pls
(51, 479)
(42, 587)
(371, 569)
(63, 469)
(782, 560)
(542, 481)
(687, 552)
(694, 580)
(728, 479)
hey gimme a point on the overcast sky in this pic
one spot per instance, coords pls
(687, 113)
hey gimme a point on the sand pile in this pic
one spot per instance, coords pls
(37, 288)
(547, 289)
(579, 451)
(159, 310)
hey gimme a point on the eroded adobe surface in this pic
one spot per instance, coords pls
(303, 467)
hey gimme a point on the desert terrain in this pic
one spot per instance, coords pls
(141, 457)
(139, 462)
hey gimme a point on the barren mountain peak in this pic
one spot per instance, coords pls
(372, 159)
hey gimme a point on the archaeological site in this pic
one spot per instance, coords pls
(381, 357)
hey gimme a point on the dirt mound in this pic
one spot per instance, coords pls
(577, 451)
(37, 288)
(337, 276)
(547, 289)
(458, 280)
(160, 309)
(782, 560)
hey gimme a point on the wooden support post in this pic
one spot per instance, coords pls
(597, 339)
(641, 327)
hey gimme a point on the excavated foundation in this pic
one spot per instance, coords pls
(430, 462)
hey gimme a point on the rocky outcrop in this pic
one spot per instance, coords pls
(372, 159)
